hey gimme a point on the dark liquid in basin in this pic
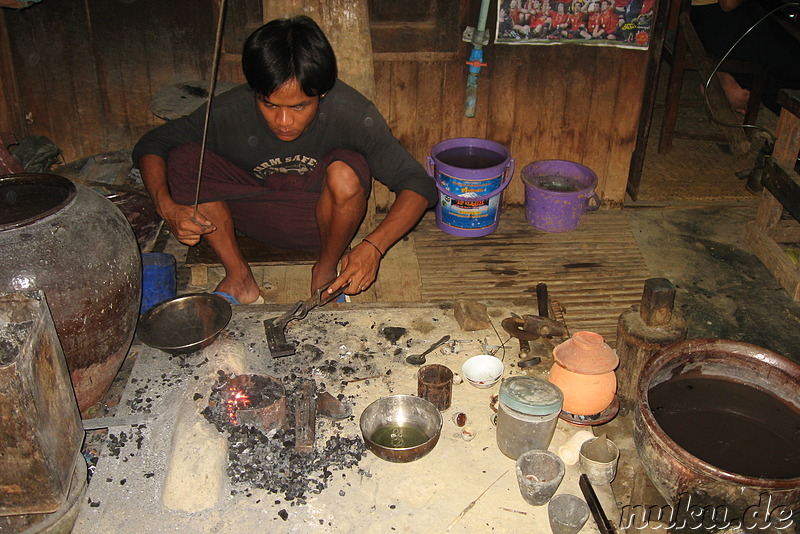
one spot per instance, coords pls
(470, 158)
(730, 425)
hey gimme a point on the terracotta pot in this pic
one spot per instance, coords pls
(76, 246)
(584, 372)
(584, 394)
(675, 472)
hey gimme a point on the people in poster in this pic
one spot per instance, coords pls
(612, 22)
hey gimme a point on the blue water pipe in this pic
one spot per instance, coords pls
(475, 61)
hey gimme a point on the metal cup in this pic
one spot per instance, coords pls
(598, 463)
(435, 384)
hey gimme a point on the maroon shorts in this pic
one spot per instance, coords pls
(279, 211)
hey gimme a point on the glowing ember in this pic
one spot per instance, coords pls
(237, 400)
(249, 400)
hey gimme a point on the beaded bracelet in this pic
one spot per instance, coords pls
(365, 240)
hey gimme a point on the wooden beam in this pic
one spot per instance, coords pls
(11, 119)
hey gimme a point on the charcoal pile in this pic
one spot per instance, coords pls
(258, 460)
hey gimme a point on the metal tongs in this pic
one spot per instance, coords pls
(276, 327)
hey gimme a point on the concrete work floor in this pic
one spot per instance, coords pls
(722, 291)
(166, 471)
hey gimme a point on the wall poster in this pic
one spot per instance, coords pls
(623, 23)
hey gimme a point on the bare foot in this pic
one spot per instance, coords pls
(737, 96)
(244, 290)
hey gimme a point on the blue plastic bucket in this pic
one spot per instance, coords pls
(470, 174)
(158, 279)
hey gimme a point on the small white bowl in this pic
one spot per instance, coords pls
(483, 371)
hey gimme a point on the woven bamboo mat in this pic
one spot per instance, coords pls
(595, 272)
(695, 170)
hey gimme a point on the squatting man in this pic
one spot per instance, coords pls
(289, 160)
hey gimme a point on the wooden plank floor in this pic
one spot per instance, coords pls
(595, 272)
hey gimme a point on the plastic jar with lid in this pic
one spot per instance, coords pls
(527, 414)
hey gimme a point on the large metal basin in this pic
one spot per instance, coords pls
(186, 323)
(678, 474)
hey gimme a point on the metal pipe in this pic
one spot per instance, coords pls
(475, 61)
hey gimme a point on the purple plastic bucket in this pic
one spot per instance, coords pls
(470, 175)
(558, 194)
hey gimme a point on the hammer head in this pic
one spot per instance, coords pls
(276, 339)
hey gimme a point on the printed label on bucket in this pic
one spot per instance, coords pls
(469, 215)
(467, 188)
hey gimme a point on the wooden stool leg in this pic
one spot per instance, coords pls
(754, 103)
(673, 93)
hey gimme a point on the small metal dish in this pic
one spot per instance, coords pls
(403, 412)
(186, 323)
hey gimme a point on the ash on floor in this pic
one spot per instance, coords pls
(269, 460)
(356, 353)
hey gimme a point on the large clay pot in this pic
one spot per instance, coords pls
(676, 473)
(583, 369)
(77, 247)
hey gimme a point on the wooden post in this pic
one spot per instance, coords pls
(768, 234)
(642, 331)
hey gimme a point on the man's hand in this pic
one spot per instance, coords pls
(180, 218)
(186, 227)
(359, 269)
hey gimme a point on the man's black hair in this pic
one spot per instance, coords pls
(284, 49)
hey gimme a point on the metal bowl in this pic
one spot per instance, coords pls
(185, 324)
(406, 412)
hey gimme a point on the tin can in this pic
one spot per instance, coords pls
(527, 414)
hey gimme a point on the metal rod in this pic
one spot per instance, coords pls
(470, 505)
(707, 82)
(603, 524)
(211, 88)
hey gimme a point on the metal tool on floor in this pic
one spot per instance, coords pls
(305, 417)
(539, 328)
(275, 327)
(419, 359)
(603, 524)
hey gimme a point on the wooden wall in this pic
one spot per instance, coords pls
(85, 72)
(575, 103)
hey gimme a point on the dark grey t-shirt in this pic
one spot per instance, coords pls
(238, 132)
